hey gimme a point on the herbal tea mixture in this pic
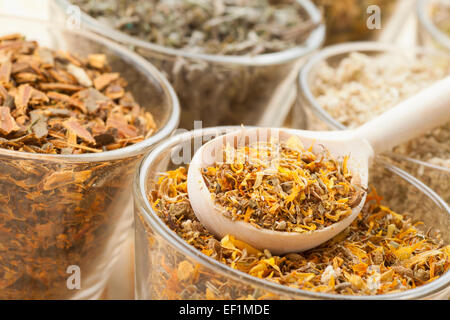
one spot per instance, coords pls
(282, 186)
(226, 27)
(238, 93)
(55, 102)
(346, 20)
(361, 87)
(380, 252)
(56, 213)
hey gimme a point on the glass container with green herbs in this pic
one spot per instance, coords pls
(227, 60)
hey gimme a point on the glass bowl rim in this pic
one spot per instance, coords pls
(159, 227)
(345, 48)
(148, 70)
(429, 26)
(314, 41)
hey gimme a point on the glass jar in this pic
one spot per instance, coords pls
(222, 90)
(160, 252)
(435, 176)
(63, 217)
(430, 34)
(346, 20)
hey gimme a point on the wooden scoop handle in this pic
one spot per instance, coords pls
(416, 115)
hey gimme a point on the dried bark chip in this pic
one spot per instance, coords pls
(80, 74)
(60, 86)
(103, 80)
(6, 99)
(40, 129)
(26, 77)
(104, 139)
(38, 96)
(12, 45)
(5, 72)
(12, 36)
(19, 67)
(3, 92)
(45, 56)
(22, 98)
(69, 57)
(61, 76)
(58, 112)
(122, 126)
(67, 99)
(7, 122)
(114, 91)
(97, 60)
(79, 130)
(38, 115)
(91, 98)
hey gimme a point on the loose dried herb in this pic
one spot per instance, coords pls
(226, 27)
(56, 213)
(55, 102)
(282, 186)
(361, 87)
(380, 252)
(216, 93)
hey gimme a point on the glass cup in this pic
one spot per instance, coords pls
(160, 251)
(347, 20)
(64, 217)
(429, 33)
(222, 90)
(307, 107)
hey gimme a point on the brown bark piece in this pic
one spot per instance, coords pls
(79, 130)
(105, 79)
(7, 122)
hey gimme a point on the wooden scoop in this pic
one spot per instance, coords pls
(414, 116)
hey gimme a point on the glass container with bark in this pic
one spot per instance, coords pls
(74, 122)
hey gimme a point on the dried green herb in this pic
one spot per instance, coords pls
(216, 93)
(226, 27)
